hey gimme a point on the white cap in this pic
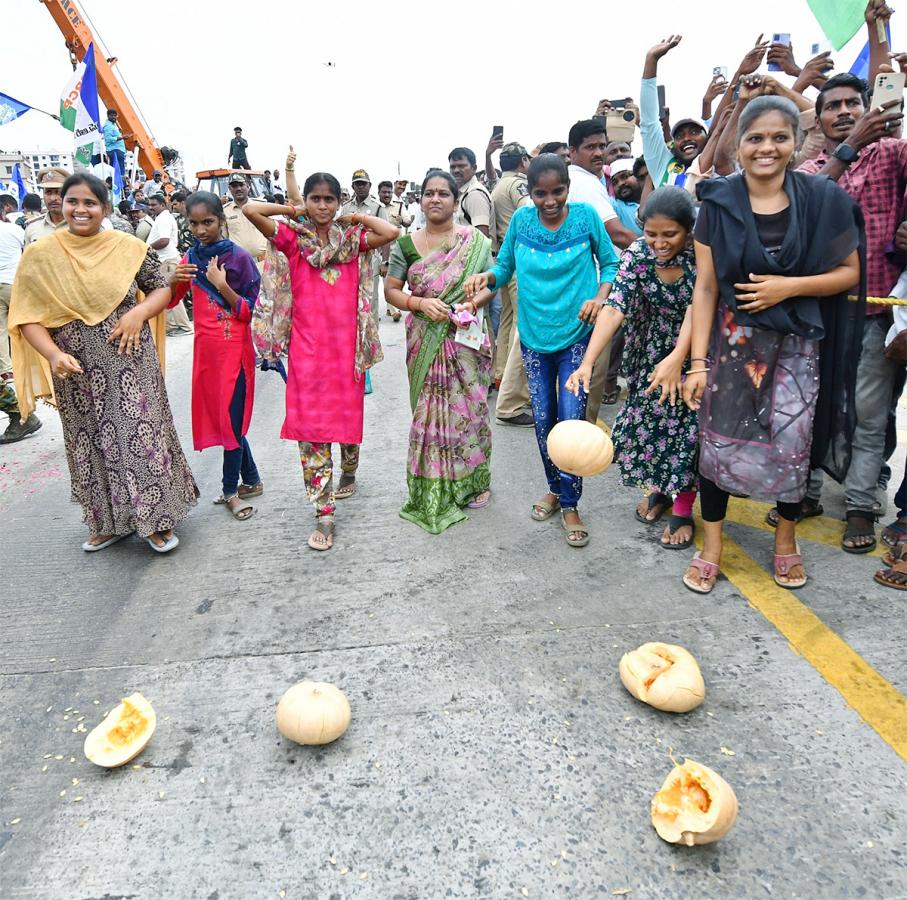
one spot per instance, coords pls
(622, 165)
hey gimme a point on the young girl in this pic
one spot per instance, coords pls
(564, 262)
(334, 339)
(224, 284)
(655, 443)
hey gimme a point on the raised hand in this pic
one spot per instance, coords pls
(783, 56)
(753, 58)
(665, 46)
(291, 159)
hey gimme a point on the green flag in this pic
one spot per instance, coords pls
(840, 19)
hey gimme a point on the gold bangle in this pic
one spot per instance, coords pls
(696, 371)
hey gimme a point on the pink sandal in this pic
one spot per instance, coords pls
(706, 569)
(783, 563)
(480, 504)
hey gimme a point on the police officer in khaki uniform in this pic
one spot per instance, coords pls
(510, 192)
(363, 202)
(474, 206)
(50, 182)
(239, 229)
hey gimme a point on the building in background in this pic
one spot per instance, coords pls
(8, 160)
(42, 159)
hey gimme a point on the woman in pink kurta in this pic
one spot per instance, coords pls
(224, 282)
(334, 339)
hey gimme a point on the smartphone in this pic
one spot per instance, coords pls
(888, 86)
(779, 38)
(719, 72)
(601, 120)
(662, 103)
(618, 104)
(497, 131)
(820, 47)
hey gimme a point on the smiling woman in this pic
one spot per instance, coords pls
(74, 302)
(774, 344)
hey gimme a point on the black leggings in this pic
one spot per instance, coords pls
(713, 503)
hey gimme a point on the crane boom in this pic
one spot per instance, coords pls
(78, 36)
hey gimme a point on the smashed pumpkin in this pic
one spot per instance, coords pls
(313, 712)
(580, 448)
(694, 806)
(123, 734)
(664, 676)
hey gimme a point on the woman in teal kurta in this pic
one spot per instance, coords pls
(565, 264)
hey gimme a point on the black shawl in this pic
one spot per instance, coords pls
(826, 226)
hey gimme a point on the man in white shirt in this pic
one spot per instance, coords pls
(12, 242)
(155, 185)
(588, 142)
(164, 239)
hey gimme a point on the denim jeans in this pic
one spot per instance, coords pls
(875, 382)
(547, 374)
(900, 498)
(239, 461)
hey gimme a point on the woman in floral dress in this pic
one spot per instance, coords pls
(74, 303)
(654, 441)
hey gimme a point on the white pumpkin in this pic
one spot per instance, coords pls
(313, 712)
(664, 676)
(580, 448)
(123, 734)
(694, 806)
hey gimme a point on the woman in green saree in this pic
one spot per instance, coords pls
(448, 358)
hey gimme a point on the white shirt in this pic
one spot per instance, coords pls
(587, 188)
(12, 241)
(276, 188)
(165, 227)
(415, 210)
(152, 187)
(103, 170)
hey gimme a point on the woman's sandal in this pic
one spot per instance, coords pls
(480, 501)
(656, 501)
(893, 577)
(852, 531)
(237, 506)
(346, 488)
(809, 509)
(675, 523)
(322, 538)
(578, 534)
(894, 532)
(245, 491)
(704, 570)
(896, 554)
(783, 563)
(542, 511)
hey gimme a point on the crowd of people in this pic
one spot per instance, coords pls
(724, 273)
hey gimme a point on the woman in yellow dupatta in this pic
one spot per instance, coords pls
(74, 302)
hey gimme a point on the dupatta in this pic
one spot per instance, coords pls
(826, 226)
(242, 273)
(442, 275)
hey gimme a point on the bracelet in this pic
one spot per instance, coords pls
(697, 371)
(290, 169)
(704, 359)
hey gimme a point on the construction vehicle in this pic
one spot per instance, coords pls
(216, 181)
(78, 34)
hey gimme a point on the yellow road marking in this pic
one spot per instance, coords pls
(821, 529)
(874, 698)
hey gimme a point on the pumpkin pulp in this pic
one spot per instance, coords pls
(684, 795)
(131, 724)
(658, 669)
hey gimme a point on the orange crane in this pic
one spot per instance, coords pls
(78, 36)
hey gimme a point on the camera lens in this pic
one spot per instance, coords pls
(628, 115)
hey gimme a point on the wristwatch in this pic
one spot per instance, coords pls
(846, 153)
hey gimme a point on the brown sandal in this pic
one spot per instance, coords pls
(322, 538)
(238, 507)
(245, 491)
(346, 488)
(893, 577)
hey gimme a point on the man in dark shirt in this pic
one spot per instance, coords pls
(238, 150)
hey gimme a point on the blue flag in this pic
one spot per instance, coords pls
(117, 180)
(19, 183)
(11, 109)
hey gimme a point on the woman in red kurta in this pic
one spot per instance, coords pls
(333, 340)
(224, 281)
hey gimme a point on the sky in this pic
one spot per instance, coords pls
(403, 88)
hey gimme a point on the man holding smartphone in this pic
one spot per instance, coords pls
(871, 166)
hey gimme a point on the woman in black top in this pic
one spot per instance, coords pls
(775, 342)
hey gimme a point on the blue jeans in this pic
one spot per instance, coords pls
(239, 460)
(547, 373)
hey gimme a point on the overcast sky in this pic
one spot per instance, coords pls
(405, 86)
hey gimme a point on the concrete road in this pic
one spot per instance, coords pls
(493, 751)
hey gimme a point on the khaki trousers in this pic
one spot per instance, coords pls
(506, 327)
(513, 395)
(6, 364)
(597, 388)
